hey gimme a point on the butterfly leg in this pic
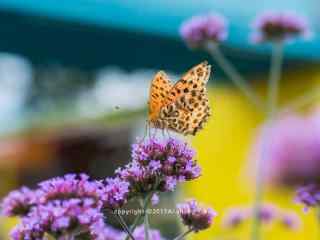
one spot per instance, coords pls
(145, 131)
(168, 133)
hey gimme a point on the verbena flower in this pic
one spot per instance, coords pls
(159, 165)
(235, 217)
(18, 202)
(59, 217)
(268, 213)
(279, 26)
(155, 199)
(115, 193)
(138, 234)
(290, 150)
(290, 220)
(69, 186)
(199, 30)
(309, 195)
(194, 216)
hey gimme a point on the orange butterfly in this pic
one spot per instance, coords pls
(182, 107)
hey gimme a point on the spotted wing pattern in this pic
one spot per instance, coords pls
(195, 79)
(187, 119)
(184, 108)
(160, 87)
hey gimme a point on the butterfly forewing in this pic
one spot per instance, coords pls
(160, 87)
(195, 79)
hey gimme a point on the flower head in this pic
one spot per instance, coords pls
(69, 186)
(18, 202)
(61, 216)
(267, 213)
(115, 193)
(155, 199)
(199, 30)
(309, 195)
(290, 220)
(138, 234)
(277, 26)
(290, 148)
(235, 217)
(159, 165)
(194, 216)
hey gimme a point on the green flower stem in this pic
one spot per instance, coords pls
(146, 226)
(273, 90)
(146, 216)
(124, 226)
(143, 205)
(275, 75)
(182, 235)
(214, 50)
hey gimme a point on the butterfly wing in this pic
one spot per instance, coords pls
(194, 80)
(187, 120)
(159, 89)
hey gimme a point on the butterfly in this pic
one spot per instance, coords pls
(182, 107)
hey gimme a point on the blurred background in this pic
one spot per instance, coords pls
(74, 82)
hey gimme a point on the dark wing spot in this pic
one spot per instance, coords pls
(195, 86)
(186, 90)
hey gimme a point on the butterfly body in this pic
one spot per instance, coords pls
(182, 107)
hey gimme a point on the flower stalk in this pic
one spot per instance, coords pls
(184, 234)
(214, 50)
(274, 79)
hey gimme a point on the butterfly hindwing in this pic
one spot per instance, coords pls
(185, 120)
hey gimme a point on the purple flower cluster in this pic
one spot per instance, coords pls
(199, 30)
(71, 204)
(57, 217)
(18, 202)
(115, 193)
(278, 26)
(268, 213)
(194, 216)
(69, 186)
(309, 195)
(290, 220)
(290, 148)
(235, 217)
(159, 166)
